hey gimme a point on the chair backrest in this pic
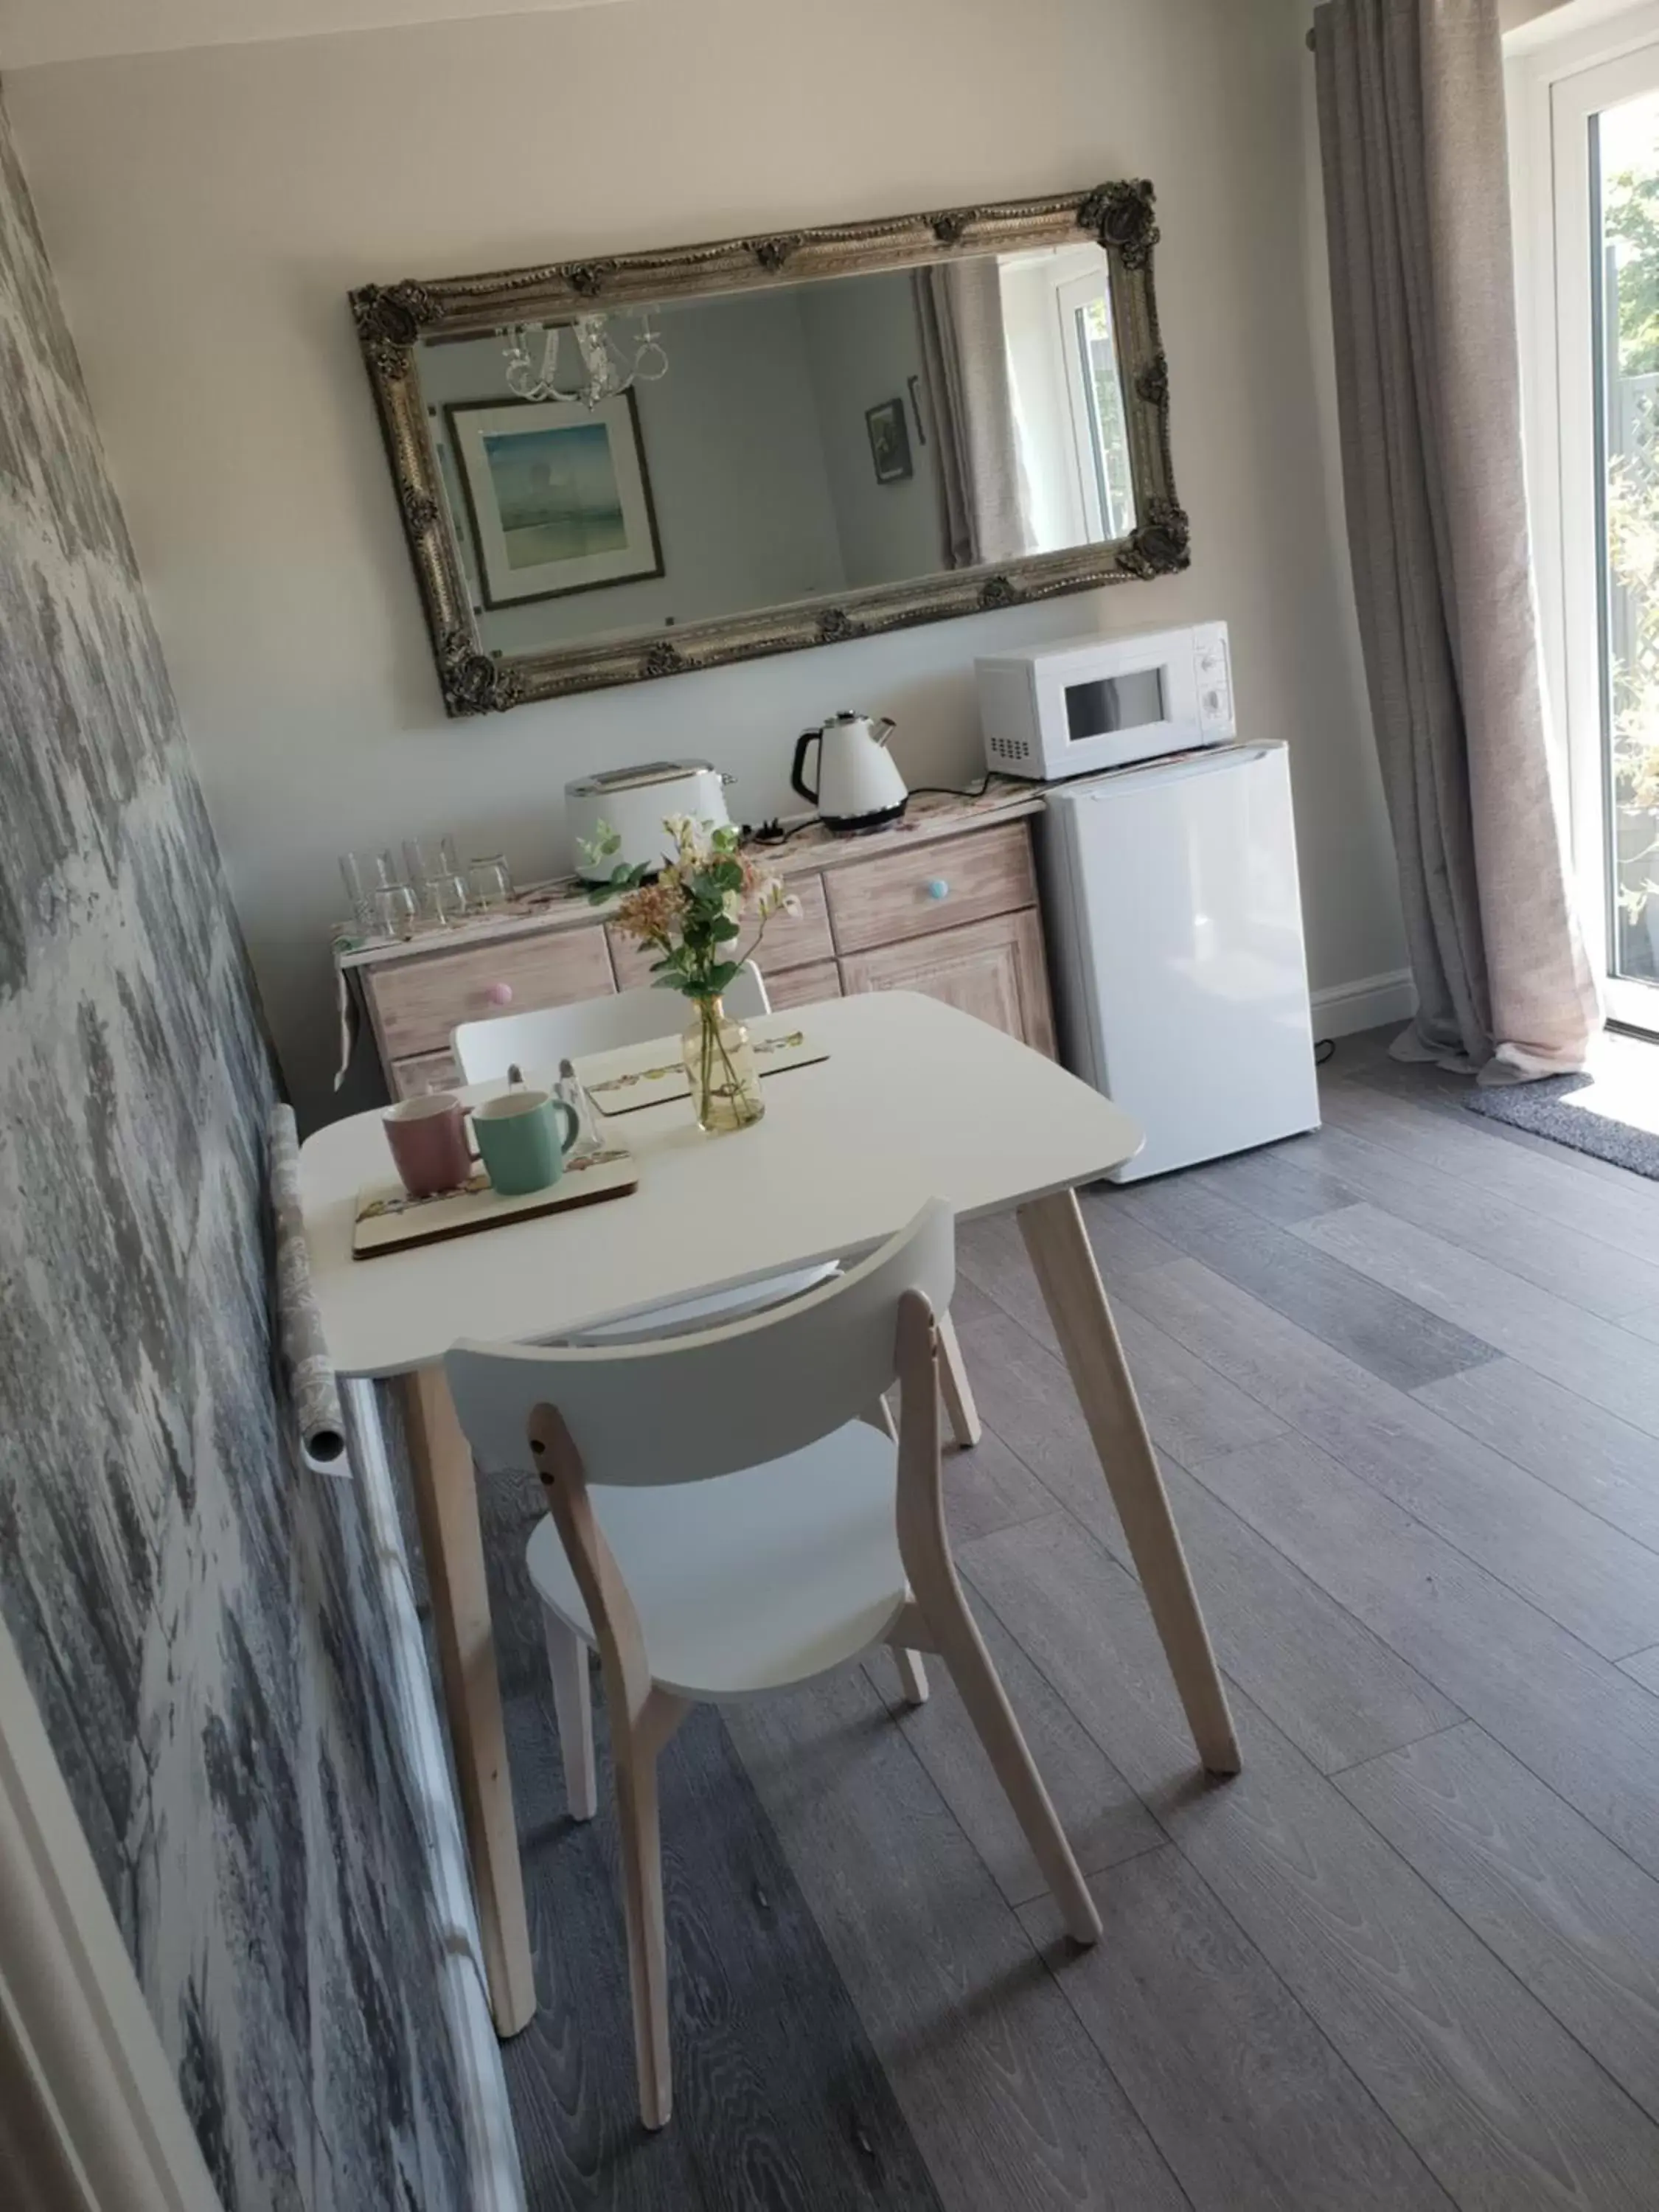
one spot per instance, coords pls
(484, 1050)
(693, 1407)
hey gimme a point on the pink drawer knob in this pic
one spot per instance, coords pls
(498, 994)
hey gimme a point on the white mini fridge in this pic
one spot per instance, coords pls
(1175, 936)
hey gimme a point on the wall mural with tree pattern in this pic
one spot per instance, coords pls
(199, 1618)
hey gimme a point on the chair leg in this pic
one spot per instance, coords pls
(642, 1719)
(647, 1954)
(573, 1709)
(956, 1634)
(954, 1389)
(913, 1675)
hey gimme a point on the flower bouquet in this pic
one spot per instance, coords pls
(692, 913)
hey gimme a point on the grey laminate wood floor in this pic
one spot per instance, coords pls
(1405, 1374)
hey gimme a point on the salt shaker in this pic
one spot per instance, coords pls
(571, 1089)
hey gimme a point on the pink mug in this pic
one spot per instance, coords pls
(427, 1137)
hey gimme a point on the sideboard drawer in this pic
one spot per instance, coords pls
(425, 1071)
(799, 986)
(792, 940)
(938, 886)
(418, 1002)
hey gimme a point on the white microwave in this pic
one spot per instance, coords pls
(1099, 703)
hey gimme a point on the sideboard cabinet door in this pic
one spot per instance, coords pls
(994, 969)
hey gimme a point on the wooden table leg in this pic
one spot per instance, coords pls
(955, 1387)
(1076, 1299)
(446, 1507)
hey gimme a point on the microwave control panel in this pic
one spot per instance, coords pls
(1215, 680)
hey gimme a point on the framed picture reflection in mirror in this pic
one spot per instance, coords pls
(890, 441)
(557, 496)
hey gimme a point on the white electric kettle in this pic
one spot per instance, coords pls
(859, 787)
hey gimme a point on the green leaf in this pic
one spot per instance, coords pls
(618, 883)
(601, 845)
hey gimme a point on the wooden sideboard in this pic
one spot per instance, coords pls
(944, 903)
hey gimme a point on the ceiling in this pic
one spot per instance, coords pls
(36, 31)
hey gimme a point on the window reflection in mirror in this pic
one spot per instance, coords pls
(802, 442)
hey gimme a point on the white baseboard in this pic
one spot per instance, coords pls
(1346, 1008)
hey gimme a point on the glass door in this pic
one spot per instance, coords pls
(1099, 434)
(1607, 187)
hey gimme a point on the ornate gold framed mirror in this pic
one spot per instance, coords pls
(619, 468)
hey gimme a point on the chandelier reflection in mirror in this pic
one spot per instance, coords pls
(607, 370)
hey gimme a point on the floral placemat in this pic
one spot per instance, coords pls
(390, 1221)
(640, 1075)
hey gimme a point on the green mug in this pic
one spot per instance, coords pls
(518, 1140)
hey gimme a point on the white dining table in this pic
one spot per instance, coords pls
(914, 1100)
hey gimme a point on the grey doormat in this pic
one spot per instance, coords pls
(1577, 1110)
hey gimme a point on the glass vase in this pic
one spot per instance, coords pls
(726, 1092)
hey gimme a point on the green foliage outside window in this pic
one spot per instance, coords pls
(1631, 222)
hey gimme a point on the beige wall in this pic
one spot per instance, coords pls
(1512, 14)
(207, 210)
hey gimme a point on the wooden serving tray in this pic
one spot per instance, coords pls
(390, 1221)
(640, 1075)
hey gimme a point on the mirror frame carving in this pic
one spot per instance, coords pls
(391, 318)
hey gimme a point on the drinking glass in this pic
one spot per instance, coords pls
(491, 880)
(364, 875)
(361, 882)
(444, 898)
(427, 857)
(394, 910)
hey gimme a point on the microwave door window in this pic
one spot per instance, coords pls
(1109, 703)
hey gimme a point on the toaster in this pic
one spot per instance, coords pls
(636, 802)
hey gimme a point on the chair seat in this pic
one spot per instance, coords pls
(751, 1580)
(687, 1316)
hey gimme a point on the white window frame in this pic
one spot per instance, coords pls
(1075, 293)
(1561, 71)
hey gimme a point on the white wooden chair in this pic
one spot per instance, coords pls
(538, 1041)
(541, 1039)
(733, 1513)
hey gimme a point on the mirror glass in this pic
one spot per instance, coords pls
(747, 450)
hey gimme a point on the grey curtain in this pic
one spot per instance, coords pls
(1412, 130)
(965, 363)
